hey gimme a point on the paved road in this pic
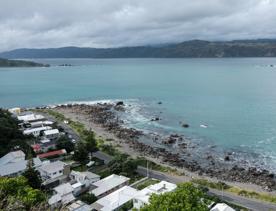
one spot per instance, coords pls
(239, 200)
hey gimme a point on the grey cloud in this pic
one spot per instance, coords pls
(109, 23)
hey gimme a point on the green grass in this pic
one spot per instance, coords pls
(147, 183)
(241, 192)
(80, 168)
(144, 162)
(214, 185)
(252, 194)
(134, 178)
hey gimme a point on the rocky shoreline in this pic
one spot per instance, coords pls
(106, 116)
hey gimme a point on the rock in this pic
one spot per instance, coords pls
(185, 125)
(227, 158)
(120, 103)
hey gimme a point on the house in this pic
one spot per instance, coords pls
(142, 197)
(87, 178)
(44, 145)
(108, 184)
(12, 157)
(115, 200)
(79, 206)
(15, 111)
(40, 124)
(51, 134)
(36, 131)
(63, 195)
(14, 163)
(53, 170)
(30, 117)
(52, 153)
(222, 207)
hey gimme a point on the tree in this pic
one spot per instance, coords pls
(16, 194)
(123, 164)
(186, 197)
(88, 198)
(11, 138)
(33, 177)
(91, 142)
(65, 143)
(81, 153)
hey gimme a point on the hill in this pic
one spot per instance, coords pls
(19, 63)
(187, 49)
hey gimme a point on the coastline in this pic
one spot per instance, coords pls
(102, 119)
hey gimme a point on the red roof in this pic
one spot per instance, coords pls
(52, 153)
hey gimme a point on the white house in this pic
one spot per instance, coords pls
(86, 177)
(14, 163)
(115, 200)
(222, 207)
(142, 197)
(63, 194)
(36, 131)
(40, 123)
(53, 170)
(51, 134)
(109, 184)
(15, 111)
(30, 117)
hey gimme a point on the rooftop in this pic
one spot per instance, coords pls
(79, 206)
(108, 183)
(51, 132)
(34, 124)
(222, 207)
(76, 185)
(159, 188)
(85, 174)
(52, 153)
(30, 117)
(12, 157)
(13, 168)
(64, 189)
(117, 198)
(53, 167)
(32, 130)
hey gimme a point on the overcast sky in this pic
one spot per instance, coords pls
(113, 23)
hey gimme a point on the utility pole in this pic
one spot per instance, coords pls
(147, 168)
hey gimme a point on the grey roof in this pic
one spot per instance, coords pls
(14, 162)
(12, 157)
(90, 175)
(53, 167)
(13, 168)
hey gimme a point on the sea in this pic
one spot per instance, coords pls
(228, 103)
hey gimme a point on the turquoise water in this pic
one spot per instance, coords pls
(235, 98)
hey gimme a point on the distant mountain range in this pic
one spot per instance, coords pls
(187, 49)
(19, 63)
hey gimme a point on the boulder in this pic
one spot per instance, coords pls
(185, 125)
(120, 103)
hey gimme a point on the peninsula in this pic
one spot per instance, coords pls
(20, 63)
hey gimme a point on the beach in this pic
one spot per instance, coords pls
(102, 118)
